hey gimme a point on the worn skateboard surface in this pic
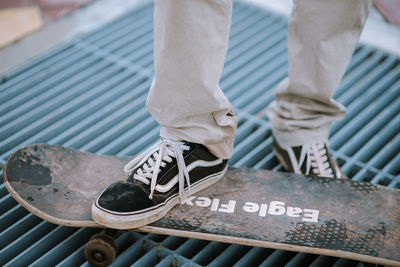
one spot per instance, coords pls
(262, 208)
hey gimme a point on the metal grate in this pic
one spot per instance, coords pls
(90, 94)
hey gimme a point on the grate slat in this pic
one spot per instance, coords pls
(65, 248)
(40, 247)
(19, 246)
(35, 67)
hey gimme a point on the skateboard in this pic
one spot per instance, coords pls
(334, 217)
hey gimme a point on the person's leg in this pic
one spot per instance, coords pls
(190, 45)
(197, 121)
(322, 36)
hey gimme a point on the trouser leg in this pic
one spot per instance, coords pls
(190, 45)
(322, 35)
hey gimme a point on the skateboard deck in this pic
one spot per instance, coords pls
(333, 217)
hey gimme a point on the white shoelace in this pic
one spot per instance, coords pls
(162, 152)
(320, 161)
(316, 157)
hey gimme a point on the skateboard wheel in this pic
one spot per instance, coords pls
(100, 250)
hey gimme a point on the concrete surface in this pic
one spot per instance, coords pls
(89, 17)
(16, 23)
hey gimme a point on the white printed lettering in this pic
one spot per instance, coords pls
(203, 201)
(276, 208)
(215, 204)
(263, 210)
(293, 212)
(251, 207)
(188, 201)
(228, 208)
(310, 215)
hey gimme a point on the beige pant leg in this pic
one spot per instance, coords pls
(322, 36)
(190, 45)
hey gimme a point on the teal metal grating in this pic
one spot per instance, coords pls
(90, 94)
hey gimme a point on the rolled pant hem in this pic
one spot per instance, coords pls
(221, 150)
(302, 136)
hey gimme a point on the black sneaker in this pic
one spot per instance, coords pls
(313, 159)
(158, 179)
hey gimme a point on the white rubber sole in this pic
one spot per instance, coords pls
(130, 221)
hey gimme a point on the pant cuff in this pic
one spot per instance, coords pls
(302, 136)
(221, 150)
